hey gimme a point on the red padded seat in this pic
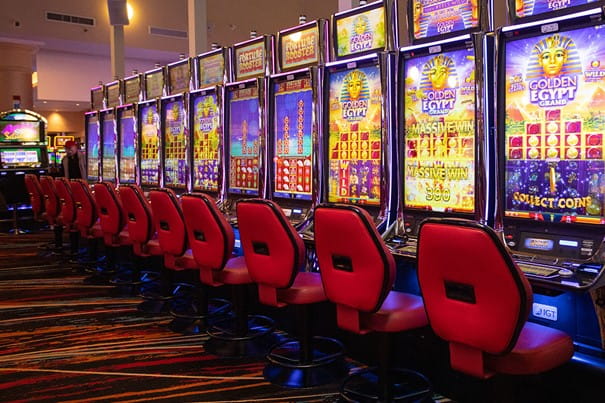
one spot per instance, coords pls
(86, 210)
(36, 196)
(111, 216)
(51, 199)
(139, 219)
(67, 216)
(478, 300)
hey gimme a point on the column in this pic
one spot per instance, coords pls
(117, 51)
(16, 67)
(197, 18)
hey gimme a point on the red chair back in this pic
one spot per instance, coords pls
(51, 200)
(86, 209)
(36, 198)
(109, 210)
(356, 268)
(273, 250)
(138, 214)
(474, 294)
(169, 221)
(66, 200)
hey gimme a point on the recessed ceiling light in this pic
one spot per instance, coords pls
(77, 104)
(44, 102)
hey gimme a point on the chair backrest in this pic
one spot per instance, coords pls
(109, 209)
(169, 221)
(138, 214)
(36, 198)
(273, 250)
(66, 200)
(86, 208)
(474, 294)
(51, 200)
(357, 270)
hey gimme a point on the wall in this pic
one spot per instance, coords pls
(64, 122)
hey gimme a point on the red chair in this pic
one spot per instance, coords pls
(67, 216)
(212, 239)
(478, 300)
(275, 256)
(52, 208)
(36, 196)
(358, 273)
(87, 221)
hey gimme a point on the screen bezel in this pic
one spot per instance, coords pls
(139, 128)
(423, 52)
(146, 76)
(515, 34)
(87, 117)
(168, 99)
(177, 65)
(514, 20)
(119, 114)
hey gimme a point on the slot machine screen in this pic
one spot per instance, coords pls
(154, 84)
(244, 141)
(20, 158)
(299, 48)
(361, 33)
(431, 18)
(211, 69)
(178, 77)
(206, 142)
(175, 143)
(109, 147)
(439, 110)
(14, 131)
(293, 143)
(127, 143)
(96, 98)
(521, 9)
(92, 147)
(149, 144)
(355, 136)
(555, 127)
(113, 94)
(132, 89)
(250, 60)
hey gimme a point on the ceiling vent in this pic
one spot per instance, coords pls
(70, 19)
(171, 33)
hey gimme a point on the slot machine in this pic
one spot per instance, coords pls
(294, 111)
(551, 137)
(174, 139)
(206, 122)
(92, 129)
(359, 104)
(245, 122)
(109, 132)
(127, 130)
(446, 141)
(148, 129)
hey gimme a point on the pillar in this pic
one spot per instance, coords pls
(16, 68)
(117, 51)
(197, 19)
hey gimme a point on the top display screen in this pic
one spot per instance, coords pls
(132, 89)
(440, 106)
(211, 69)
(555, 127)
(299, 48)
(361, 33)
(113, 94)
(14, 131)
(431, 18)
(526, 9)
(154, 84)
(250, 60)
(97, 97)
(179, 76)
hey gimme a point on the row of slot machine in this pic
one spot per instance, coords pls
(503, 126)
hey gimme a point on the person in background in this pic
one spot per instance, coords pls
(73, 165)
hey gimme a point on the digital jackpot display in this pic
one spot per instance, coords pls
(293, 145)
(113, 94)
(361, 33)
(528, 8)
(250, 60)
(132, 89)
(439, 110)
(92, 147)
(127, 146)
(244, 141)
(109, 147)
(211, 70)
(555, 127)
(97, 97)
(150, 143)
(178, 77)
(206, 142)
(300, 48)
(439, 17)
(175, 144)
(15, 131)
(355, 141)
(154, 84)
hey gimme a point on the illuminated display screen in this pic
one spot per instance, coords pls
(206, 142)
(250, 60)
(179, 76)
(19, 131)
(149, 144)
(439, 104)
(154, 84)
(113, 94)
(132, 89)
(109, 147)
(92, 147)
(293, 145)
(361, 33)
(300, 48)
(59, 141)
(355, 142)
(96, 97)
(175, 144)
(440, 17)
(539, 244)
(244, 145)
(528, 8)
(127, 139)
(555, 127)
(20, 158)
(211, 70)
